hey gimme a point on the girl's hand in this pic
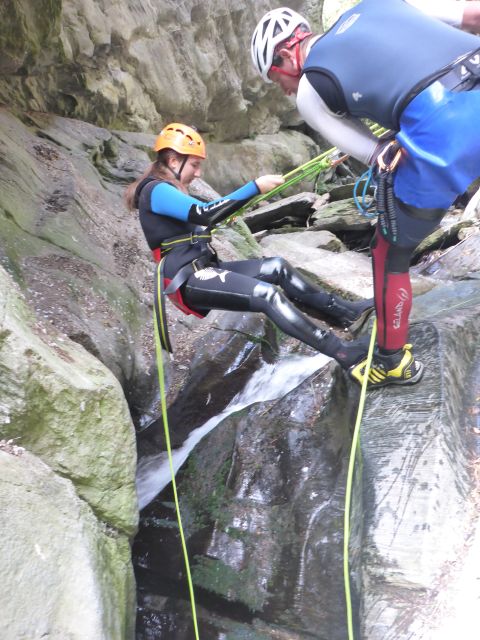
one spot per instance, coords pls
(267, 183)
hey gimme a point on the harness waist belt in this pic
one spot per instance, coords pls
(190, 238)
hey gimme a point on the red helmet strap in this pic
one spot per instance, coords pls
(294, 41)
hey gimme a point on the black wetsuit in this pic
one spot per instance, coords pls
(167, 214)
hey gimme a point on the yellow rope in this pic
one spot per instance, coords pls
(348, 489)
(161, 379)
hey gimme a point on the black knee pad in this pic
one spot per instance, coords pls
(398, 259)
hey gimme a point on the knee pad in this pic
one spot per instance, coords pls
(398, 259)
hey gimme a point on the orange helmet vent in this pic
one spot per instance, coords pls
(182, 139)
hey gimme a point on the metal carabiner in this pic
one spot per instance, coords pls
(392, 147)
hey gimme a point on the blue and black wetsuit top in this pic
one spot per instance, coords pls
(167, 213)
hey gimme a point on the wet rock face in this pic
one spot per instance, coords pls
(135, 65)
(262, 499)
(417, 480)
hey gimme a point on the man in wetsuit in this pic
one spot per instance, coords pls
(416, 75)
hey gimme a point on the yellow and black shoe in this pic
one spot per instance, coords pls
(396, 368)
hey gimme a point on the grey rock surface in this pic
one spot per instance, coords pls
(99, 62)
(65, 574)
(67, 491)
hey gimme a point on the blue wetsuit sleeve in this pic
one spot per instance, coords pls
(244, 193)
(168, 201)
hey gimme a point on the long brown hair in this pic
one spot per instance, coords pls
(158, 170)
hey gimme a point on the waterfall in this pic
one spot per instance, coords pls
(270, 382)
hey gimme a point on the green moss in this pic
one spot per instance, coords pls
(116, 577)
(229, 583)
(240, 236)
(16, 244)
(206, 503)
(28, 28)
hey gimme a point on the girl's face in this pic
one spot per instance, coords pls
(191, 169)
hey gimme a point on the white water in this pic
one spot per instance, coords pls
(268, 383)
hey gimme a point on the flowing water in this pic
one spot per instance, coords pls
(270, 382)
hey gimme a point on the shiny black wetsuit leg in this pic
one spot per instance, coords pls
(299, 288)
(219, 288)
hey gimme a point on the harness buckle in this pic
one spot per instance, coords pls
(472, 65)
(194, 238)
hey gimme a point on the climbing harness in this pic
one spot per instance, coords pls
(157, 323)
(349, 484)
(171, 287)
(187, 238)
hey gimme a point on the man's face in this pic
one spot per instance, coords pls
(286, 73)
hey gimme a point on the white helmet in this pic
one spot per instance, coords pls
(275, 27)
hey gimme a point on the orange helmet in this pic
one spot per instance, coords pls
(182, 139)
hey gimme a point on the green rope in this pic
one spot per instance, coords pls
(161, 379)
(308, 169)
(349, 484)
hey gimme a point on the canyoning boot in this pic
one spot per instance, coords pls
(349, 314)
(399, 367)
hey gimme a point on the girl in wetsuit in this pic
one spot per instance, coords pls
(177, 228)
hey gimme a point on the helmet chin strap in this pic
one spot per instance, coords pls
(178, 173)
(296, 44)
(285, 73)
